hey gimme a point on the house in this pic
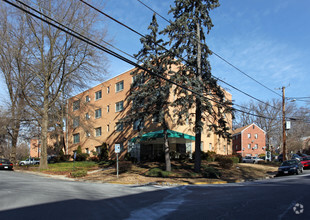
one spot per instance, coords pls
(94, 118)
(249, 140)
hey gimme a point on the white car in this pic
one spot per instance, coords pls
(29, 161)
(251, 159)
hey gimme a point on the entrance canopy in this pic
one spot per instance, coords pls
(160, 134)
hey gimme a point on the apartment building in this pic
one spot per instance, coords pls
(249, 140)
(94, 118)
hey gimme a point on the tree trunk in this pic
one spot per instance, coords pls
(198, 107)
(167, 149)
(44, 125)
(14, 142)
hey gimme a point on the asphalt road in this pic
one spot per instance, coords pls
(28, 196)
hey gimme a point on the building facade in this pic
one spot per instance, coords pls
(249, 140)
(94, 118)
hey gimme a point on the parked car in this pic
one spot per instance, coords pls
(5, 164)
(29, 161)
(251, 159)
(290, 167)
(305, 161)
(292, 157)
(296, 157)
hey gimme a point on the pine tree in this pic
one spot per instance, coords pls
(187, 39)
(150, 94)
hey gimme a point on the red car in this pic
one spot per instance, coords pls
(305, 161)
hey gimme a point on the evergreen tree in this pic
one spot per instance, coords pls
(187, 39)
(150, 94)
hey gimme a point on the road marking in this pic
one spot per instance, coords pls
(169, 204)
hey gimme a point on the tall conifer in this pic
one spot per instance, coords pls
(186, 35)
(149, 96)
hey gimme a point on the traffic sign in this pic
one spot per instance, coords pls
(117, 148)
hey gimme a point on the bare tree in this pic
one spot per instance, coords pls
(57, 59)
(14, 58)
(269, 118)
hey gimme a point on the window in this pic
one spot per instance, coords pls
(98, 150)
(119, 126)
(76, 138)
(87, 99)
(108, 128)
(98, 131)
(137, 80)
(98, 95)
(108, 108)
(98, 113)
(249, 146)
(119, 86)
(87, 117)
(76, 122)
(87, 150)
(224, 148)
(249, 135)
(87, 134)
(210, 147)
(108, 89)
(138, 124)
(255, 136)
(256, 146)
(76, 105)
(119, 106)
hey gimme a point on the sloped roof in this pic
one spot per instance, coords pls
(239, 130)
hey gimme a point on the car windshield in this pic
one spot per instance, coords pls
(4, 161)
(288, 163)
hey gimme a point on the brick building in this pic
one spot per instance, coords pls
(93, 118)
(249, 140)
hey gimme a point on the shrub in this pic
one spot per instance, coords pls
(78, 173)
(81, 157)
(211, 172)
(104, 152)
(127, 157)
(94, 158)
(225, 162)
(235, 159)
(157, 172)
(106, 163)
(261, 155)
(209, 156)
(124, 166)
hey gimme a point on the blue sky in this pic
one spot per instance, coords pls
(268, 40)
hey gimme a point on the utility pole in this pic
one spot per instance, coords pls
(283, 124)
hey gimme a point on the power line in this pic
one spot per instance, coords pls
(71, 29)
(217, 55)
(245, 93)
(131, 29)
(100, 47)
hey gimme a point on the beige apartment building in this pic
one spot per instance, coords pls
(94, 115)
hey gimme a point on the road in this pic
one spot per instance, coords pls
(24, 195)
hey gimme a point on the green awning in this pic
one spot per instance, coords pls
(160, 134)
